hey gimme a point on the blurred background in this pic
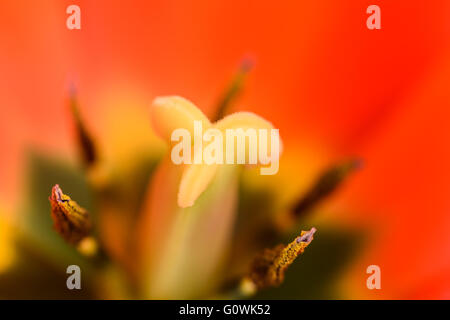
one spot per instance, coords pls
(335, 89)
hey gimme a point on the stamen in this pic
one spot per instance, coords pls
(85, 142)
(328, 182)
(268, 268)
(307, 237)
(233, 89)
(71, 221)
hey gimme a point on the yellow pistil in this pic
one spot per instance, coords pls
(173, 112)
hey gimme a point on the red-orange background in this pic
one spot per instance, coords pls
(320, 76)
